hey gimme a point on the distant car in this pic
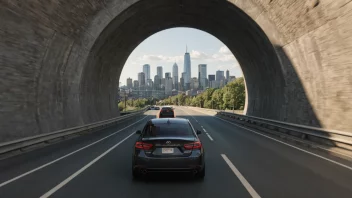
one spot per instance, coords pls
(168, 145)
(157, 108)
(152, 108)
(166, 112)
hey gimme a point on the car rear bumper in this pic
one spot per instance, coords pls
(175, 164)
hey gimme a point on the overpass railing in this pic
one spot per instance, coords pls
(24, 143)
(330, 138)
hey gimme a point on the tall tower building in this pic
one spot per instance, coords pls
(219, 75)
(175, 76)
(202, 75)
(157, 82)
(146, 71)
(168, 75)
(187, 67)
(135, 84)
(141, 79)
(129, 83)
(168, 86)
(159, 72)
(227, 75)
(211, 80)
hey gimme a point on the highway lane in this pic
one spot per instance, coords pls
(271, 169)
(36, 183)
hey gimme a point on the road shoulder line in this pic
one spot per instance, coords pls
(243, 180)
(67, 155)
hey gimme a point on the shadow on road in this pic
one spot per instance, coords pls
(169, 178)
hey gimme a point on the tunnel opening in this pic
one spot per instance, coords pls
(165, 50)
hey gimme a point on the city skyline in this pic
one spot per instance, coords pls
(170, 82)
(202, 47)
(163, 72)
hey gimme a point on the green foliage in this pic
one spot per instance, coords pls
(232, 96)
(135, 104)
(121, 106)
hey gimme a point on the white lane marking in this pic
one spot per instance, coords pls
(65, 156)
(316, 155)
(63, 183)
(305, 151)
(243, 180)
(201, 126)
(210, 137)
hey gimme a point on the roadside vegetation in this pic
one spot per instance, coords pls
(230, 97)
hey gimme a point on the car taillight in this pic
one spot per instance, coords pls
(143, 146)
(194, 145)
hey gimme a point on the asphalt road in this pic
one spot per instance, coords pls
(240, 163)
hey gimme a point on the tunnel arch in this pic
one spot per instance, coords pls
(61, 60)
(246, 40)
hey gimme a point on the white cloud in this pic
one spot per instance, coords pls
(152, 58)
(224, 50)
(199, 55)
(223, 55)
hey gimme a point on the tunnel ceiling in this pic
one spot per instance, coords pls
(62, 59)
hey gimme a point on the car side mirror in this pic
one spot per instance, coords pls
(199, 132)
(138, 132)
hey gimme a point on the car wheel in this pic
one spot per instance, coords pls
(201, 174)
(136, 175)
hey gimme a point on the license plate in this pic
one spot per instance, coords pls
(167, 150)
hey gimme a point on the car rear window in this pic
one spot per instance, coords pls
(165, 112)
(168, 129)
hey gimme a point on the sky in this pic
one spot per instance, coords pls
(169, 46)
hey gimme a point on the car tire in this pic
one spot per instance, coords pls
(201, 174)
(136, 175)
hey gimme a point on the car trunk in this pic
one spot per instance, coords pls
(165, 147)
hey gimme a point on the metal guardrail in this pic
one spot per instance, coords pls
(19, 144)
(327, 137)
(131, 111)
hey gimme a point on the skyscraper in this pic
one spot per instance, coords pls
(129, 83)
(141, 79)
(183, 75)
(202, 75)
(187, 67)
(232, 78)
(227, 75)
(182, 84)
(168, 75)
(175, 75)
(135, 84)
(168, 86)
(157, 82)
(149, 83)
(159, 71)
(211, 77)
(146, 71)
(211, 80)
(219, 75)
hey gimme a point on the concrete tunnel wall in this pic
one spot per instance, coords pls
(60, 60)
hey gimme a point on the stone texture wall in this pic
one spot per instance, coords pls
(316, 36)
(47, 49)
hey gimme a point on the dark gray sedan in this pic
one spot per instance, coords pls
(168, 145)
